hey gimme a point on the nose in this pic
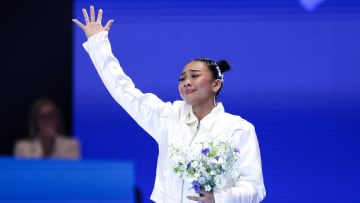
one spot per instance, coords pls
(187, 83)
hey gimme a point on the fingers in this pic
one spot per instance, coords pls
(208, 197)
(99, 18)
(93, 23)
(77, 22)
(194, 198)
(92, 13)
(108, 25)
(86, 17)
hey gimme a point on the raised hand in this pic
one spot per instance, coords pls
(92, 25)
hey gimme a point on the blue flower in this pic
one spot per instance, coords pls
(236, 150)
(205, 151)
(188, 165)
(196, 186)
(217, 158)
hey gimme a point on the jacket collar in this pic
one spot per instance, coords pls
(208, 121)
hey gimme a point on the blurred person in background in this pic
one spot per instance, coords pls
(47, 138)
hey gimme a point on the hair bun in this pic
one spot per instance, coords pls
(223, 65)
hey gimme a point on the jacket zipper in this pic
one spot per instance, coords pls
(192, 139)
(196, 132)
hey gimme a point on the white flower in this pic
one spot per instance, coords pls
(202, 180)
(194, 164)
(213, 172)
(220, 181)
(208, 188)
(188, 178)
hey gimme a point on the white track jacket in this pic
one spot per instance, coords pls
(174, 123)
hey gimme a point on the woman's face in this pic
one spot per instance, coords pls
(47, 120)
(196, 85)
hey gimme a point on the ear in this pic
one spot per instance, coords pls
(216, 85)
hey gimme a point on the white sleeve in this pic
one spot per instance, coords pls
(147, 110)
(249, 187)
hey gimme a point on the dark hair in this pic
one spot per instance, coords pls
(217, 68)
(34, 113)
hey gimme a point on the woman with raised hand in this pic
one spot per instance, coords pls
(198, 117)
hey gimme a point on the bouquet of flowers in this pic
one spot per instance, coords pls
(208, 168)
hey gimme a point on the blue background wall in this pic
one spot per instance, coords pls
(295, 76)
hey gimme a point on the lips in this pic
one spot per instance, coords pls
(188, 91)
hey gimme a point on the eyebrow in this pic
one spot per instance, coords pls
(191, 70)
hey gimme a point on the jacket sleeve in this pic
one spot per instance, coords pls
(249, 186)
(147, 110)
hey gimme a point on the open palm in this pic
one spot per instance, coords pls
(92, 25)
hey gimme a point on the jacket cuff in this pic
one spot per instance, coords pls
(94, 39)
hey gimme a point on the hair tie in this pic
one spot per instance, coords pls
(221, 77)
